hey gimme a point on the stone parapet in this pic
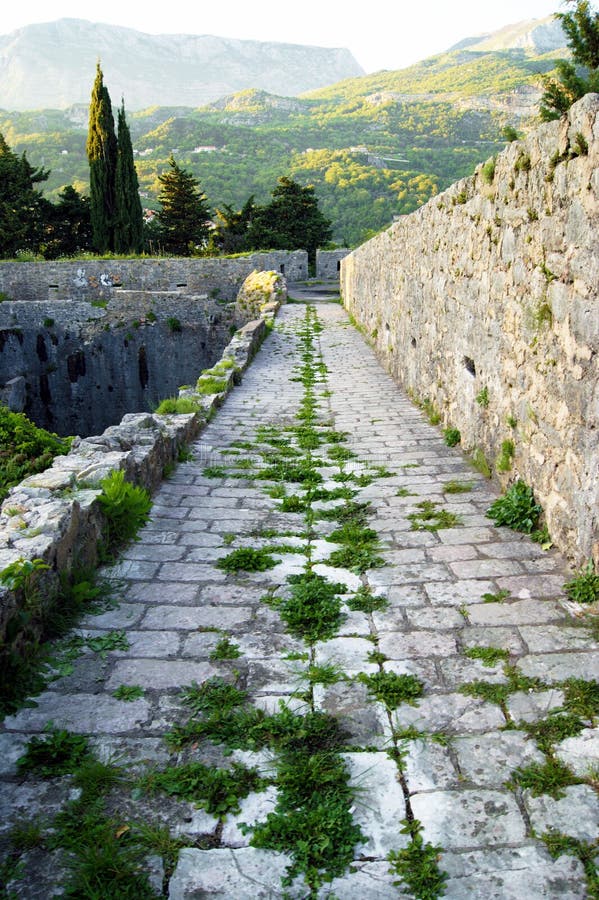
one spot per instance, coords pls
(484, 303)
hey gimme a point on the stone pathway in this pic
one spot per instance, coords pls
(490, 673)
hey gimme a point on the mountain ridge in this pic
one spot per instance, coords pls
(149, 70)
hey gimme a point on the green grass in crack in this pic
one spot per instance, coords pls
(225, 649)
(418, 865)
(490, 656)
(346, 512)
(218, 791)
(549, 777)
(392, 689)
(457, 487)
(553, 729)
(301, 472)
(324, 674)
(358, 550)
(365, 601)
(587, 852)
(581, 698)
(294, 503)
(59, 752)
(313, 610)
(430, 518)
(246, 559)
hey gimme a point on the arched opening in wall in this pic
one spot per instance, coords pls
(469, 365)
(282, 268)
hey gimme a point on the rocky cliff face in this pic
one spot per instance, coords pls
(52, 65)
(484, 303)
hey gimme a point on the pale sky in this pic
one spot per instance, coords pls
(384, 34)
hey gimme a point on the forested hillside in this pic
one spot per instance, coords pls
(374, 146)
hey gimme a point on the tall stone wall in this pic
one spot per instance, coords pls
(485, 303)
(95, 279)
(328, 263)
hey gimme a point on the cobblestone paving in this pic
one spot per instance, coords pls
(445, 760)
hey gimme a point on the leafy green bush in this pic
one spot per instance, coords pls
(516, 509)
(488, 171)
(452, 436)
(25, 449)
(584, 587)
(126, 508)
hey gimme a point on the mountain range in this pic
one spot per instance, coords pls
(374, 146)
(53, 65)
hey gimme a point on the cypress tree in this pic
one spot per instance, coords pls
(128, 235)
(102, 154)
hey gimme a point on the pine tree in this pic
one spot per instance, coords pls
(128, 233)
(23, 210)
(102, 155)
(184, 216)
(573, 79)
(291, 221)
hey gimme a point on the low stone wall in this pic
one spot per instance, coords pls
(55, 516)
(485, 303)
(328, 263)
(96, 279)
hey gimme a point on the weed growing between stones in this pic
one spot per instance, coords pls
(452, 436)
(30, 655)
(246, 559)
(517, 509)
(59, 752)
(392, 689)
(549, 777)
(457, 487)
(430, 518)
(587, 852)
(126, 508)
(218, 791)
(417, 864)
(490, 656)
(584, 587)
(128, 692)
(498, 597)
(365, 601)
(225, 649)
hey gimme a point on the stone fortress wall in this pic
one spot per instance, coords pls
(84, 343)
(484, 303)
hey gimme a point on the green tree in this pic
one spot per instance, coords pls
(291, 221)
(231, 232)
(23, 209)
(69, 227)
(128, 231)
(102, 156)
(573, 79)
(184, 217)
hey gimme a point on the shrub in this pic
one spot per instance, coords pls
(452, 436)
(25, 449)
(126, 508)
(516, 509)
(584, 587)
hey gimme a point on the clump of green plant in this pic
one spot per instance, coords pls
(497, 597)
(218, 791)
(482, 398)
(210, 384)
(174, 325)
(126, 508)
(584, 587)
(490, 656)
(177, 406)
(246, 559)
(516, 509)
(488, 171)
(580, 146)
(225, 649)
(480, 463)
(506, 458)
(59, 752)
(128, 692)
(312, 612)
(430, 518)
(522, 163)
(392, 689)
(549, 777)
(214, 472)
(457, 487)
(358, 550)
(25, 449)
(418, 864)
(558, 844)
(452, 436)
(365, 601)
(430, 411)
